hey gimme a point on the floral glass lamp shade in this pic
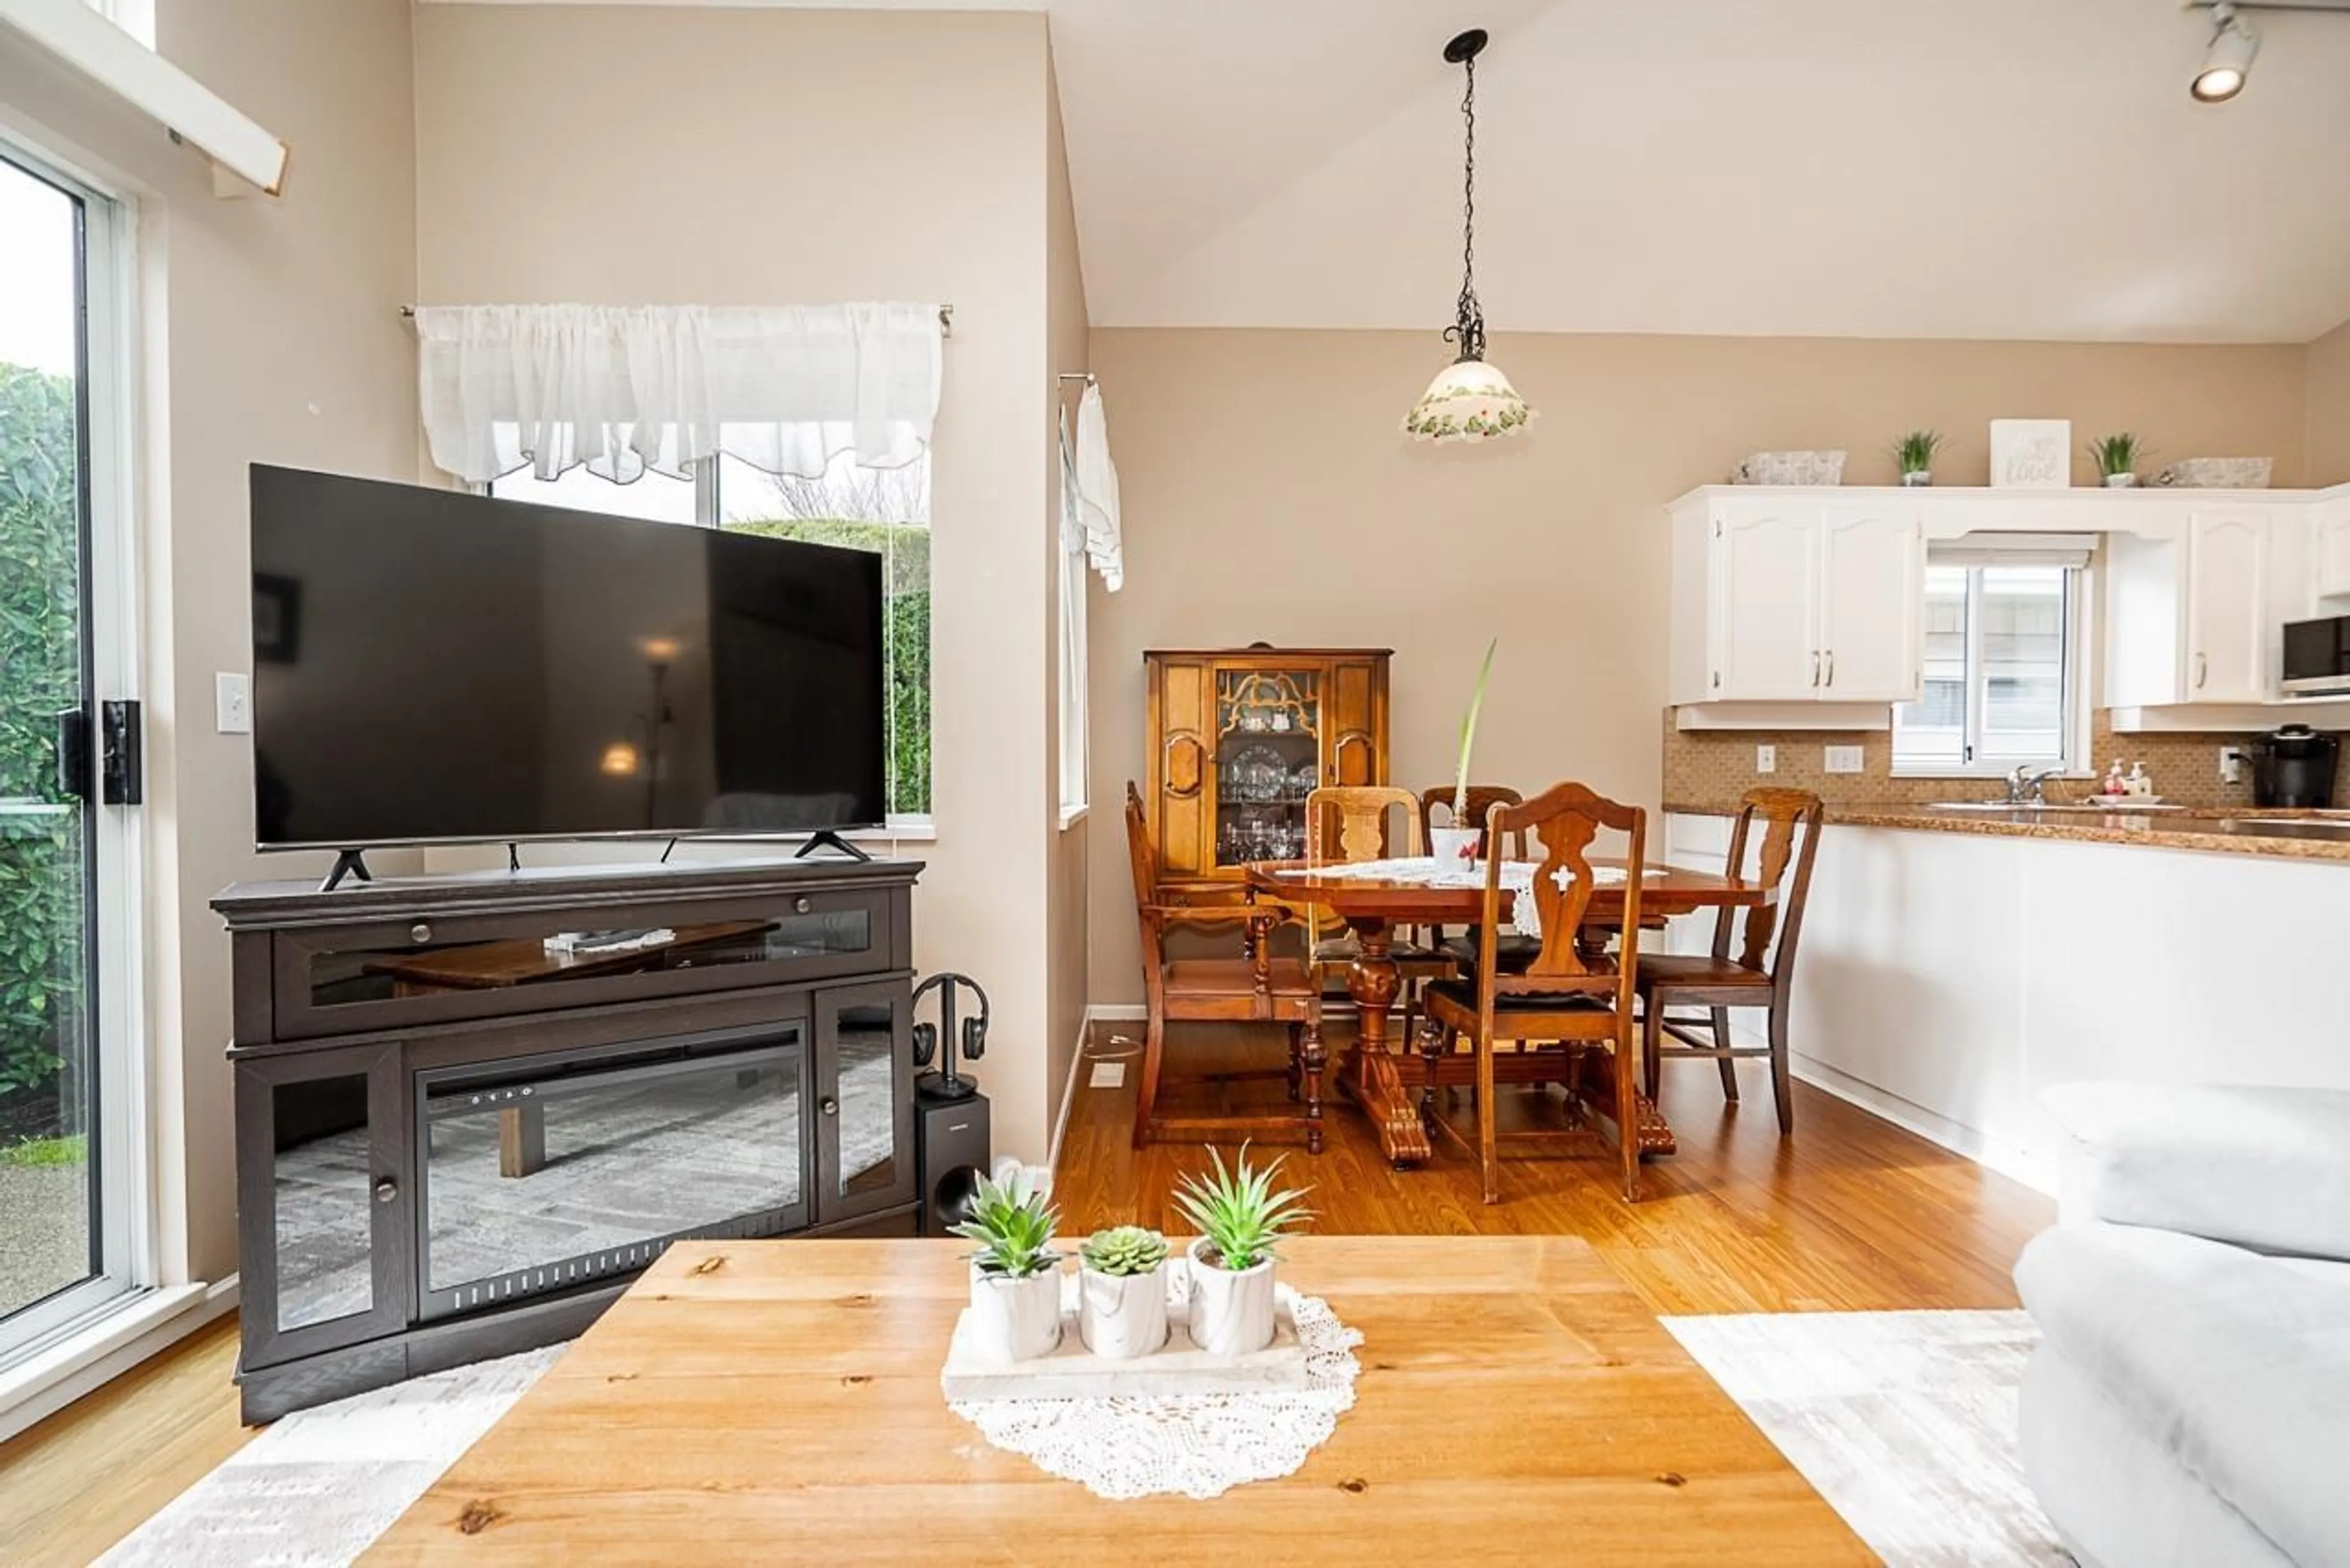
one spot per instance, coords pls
(1469, 400)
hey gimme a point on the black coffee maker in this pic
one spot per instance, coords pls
(2294, 767)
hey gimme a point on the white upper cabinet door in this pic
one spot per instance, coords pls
(1872, 602)
(2334, 549)
(1767, 603)
(2226, 607)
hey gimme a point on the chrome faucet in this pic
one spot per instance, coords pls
(2025, 787)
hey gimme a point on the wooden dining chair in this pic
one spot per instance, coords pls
(1481, 799)
(1355, 823)
(1762, 974)
(1569, 998)
(1254, 987)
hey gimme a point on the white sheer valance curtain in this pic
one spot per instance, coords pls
(622, 388)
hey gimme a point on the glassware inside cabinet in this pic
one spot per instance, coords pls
(1268, 759)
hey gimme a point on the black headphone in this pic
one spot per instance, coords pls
(971, 1039)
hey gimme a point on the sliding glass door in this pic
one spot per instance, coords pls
(68, 1098)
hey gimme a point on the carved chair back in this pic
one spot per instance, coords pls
(1566, 819)
(1789, 820)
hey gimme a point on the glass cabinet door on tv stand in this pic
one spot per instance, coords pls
(1239, 738)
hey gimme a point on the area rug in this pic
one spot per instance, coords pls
(1904, 1421)
(315, 1488)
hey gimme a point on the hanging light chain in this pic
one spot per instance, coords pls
(1468, 328)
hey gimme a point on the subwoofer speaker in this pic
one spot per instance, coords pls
(952, 1137)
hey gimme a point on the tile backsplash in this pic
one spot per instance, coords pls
(1711, 768)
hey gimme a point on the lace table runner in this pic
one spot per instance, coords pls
(1517, 880)
(1198, 1444)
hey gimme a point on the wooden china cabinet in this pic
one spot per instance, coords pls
(1238, 736)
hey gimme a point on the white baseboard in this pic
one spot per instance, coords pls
(1124, 1012)
(1957, 1137)
(151, 1321)
(1069, 1093)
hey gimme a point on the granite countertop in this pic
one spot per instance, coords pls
(2201, 829)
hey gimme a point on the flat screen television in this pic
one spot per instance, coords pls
(436, 666)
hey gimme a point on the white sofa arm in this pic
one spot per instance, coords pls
(2267, 1168)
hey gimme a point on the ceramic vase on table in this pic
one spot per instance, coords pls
(1016, 1318)
(1231, 1310)
(1455, 848)
(1120, 1316)
(1918, 479)
(2121, 481)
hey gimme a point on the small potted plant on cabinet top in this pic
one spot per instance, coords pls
(1016, 1276)
(2118, 457)
(1122, 1291)
(1240, 1221)
(1915, 452)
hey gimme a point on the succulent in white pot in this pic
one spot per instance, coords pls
(1240, 1221)
(1122, 1291)
(1016, 1276)
(1455, 847)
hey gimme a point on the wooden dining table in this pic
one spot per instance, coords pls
(1372, 1074)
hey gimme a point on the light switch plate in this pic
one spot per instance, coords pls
(233, 703)
(1840, 758)
(1766, 759)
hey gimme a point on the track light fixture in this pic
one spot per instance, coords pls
(2228, 59)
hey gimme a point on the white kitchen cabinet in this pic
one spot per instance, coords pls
(1766, 578)
(2226, 607)
(2332, 564)
(1872, 602)
(1803, 600)
(2194, 611)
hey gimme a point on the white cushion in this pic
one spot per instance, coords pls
(2267, 1168)
(2237, 1365)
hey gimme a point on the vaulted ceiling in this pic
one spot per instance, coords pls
(1863, 168)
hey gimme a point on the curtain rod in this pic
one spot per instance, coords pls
(946, 320)
(1084, 376)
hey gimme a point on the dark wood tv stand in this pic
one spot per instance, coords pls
(453, 1143)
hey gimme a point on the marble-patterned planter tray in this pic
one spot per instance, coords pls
(1073, 1372)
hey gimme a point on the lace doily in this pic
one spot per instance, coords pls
(1200, 1445)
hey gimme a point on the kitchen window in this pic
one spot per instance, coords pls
(2004, 662)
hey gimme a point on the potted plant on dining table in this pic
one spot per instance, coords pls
(1122, 1291)
(1455, 847)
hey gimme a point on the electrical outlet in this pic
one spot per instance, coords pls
(1766, 759)
(231, 703)
(1840, 758)
(2231, 764)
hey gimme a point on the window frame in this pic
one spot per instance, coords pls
(2076, 761)
(125, 1211)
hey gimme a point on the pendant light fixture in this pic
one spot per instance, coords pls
(1470, 401)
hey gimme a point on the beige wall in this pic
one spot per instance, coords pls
(270, 332)
(2329, 408)
(1268, 494)
(1067, 935)
(613, 154)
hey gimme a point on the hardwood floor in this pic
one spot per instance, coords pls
(1851, 1214)
(81, 1481)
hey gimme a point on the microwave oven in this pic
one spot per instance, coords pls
(2317, 656)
